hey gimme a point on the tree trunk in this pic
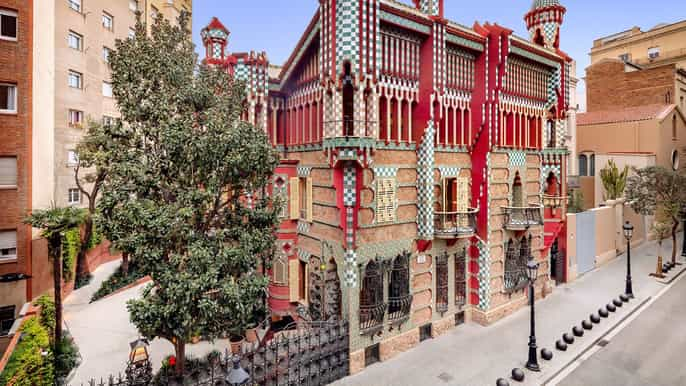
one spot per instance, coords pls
(180, 349)
(85, 241)
(56, 252)
(125, 263)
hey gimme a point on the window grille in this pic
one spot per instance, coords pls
(516, 258)
(461, 278)
(399, 298)
(372, 306)
(442, 283)
(385, 200)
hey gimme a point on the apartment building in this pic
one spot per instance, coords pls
(15, 157)
(170, 9)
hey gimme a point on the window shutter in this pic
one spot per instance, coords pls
(462, 194)
(293, 198)
(8, 239)
(309, 199)
(293, 279)
(8, 171)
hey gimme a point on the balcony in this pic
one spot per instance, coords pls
(455, 225)
(399, 308)
(371, 318)
(522, 218)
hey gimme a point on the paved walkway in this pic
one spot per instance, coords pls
(102, 331)
(649, 351)
(476, 355)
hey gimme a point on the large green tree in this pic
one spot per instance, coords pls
(181, 185)
(658, 191)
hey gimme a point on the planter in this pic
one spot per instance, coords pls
(236, 343)
(251, 335)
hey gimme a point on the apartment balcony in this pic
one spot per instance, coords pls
(399, 308)
(455, 225)
(371, 318)
(522, 218)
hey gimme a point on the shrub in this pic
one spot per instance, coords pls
(27, 365)
(118, 280)
(71, 243)
(96, 238)
(66, 357)
(47, 312)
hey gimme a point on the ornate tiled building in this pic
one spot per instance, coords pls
(422, 166)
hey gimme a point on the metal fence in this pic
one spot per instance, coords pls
(312, 354)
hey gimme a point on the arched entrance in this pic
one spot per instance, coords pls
(325, 290)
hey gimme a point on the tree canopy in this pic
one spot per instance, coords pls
(178, 185)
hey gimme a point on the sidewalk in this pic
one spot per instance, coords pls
(476, 355)
(102, 331)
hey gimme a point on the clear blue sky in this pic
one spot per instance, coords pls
(276, 25)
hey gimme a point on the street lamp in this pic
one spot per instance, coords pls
(532, 273)
(628, 233)
(237, 375)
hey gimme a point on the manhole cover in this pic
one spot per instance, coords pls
(445, 377)
(603, 342)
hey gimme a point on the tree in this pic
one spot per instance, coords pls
(614, 182)
(54, 222)
(90, 173)
(181, 184)
(656, 190)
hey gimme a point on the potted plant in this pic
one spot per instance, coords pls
(257, 317)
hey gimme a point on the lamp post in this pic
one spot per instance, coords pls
(237, 375)
(532, 272)
(628, 233)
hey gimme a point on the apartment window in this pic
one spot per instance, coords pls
(74, 196)
(106, 54)
(107, 21)
(75, 118)
(300, 200)
(132, 33)
(75, 79)
(107, 120)
(625, 57)
(72, 158)
(75, 41)
(653, 52)
(133, 5)
(8, 25)
(8, 98)
(8, 172)
(107, 89)
(6, 319)
(8, 245)
(75, 5)
(583, 165)
(154, 12)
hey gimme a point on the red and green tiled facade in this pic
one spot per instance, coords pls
(391, 120)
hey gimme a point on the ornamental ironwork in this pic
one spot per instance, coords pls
(399, 298)
(325, 290)
(372, 305)
(516, 257)
(442, 283)
(461, 278)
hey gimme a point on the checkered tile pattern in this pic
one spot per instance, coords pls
(349, 200)
(425, 184)
(413, 25)
(304, 171)
(303, 227)
(304, 255)
(347, 34)
(517, 158)
(484, 276)
(568, 69)
(553, 84)
(449, 171)
(385, 172)
(349, 194)
(550, 33)
(430, 7)
(560, 132)
(545, 171)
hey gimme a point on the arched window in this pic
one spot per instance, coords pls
(550, 132)
(348, 102)
(517, 192)
(583, 165)
(280, 271)
(399, 298)
(552, 188)
(372, 306)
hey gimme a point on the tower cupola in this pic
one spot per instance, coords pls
(215, 37)
(544, 21)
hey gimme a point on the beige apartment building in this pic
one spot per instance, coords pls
(662, 45)
(73, 39)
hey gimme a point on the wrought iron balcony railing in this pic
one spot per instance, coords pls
(522, 218)
(399, 308)
(371, 317)
(450, 225)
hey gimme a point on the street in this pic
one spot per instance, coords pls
(649, 351)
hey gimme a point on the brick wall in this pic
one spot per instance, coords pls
(15, 133)
(609, 87)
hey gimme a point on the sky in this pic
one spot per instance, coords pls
(275, 26)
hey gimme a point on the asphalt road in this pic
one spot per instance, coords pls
(651, 350)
